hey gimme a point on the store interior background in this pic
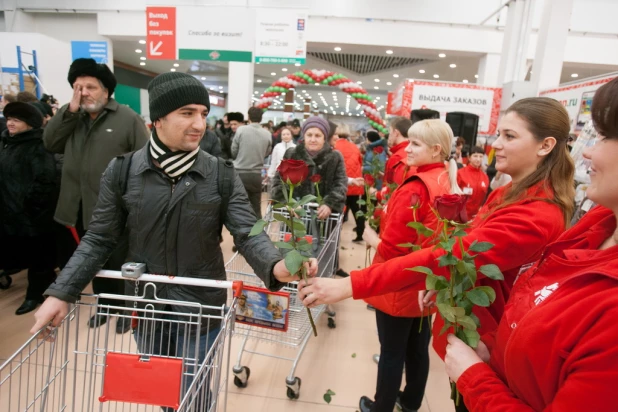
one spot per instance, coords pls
(380, 45)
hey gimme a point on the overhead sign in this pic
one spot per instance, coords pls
(96, 50)
(577, 98)
(161, 33)
(215, 33)
(450, 97)
(280, 36)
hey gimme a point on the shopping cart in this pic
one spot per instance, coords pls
(163, 365)
(325, 239)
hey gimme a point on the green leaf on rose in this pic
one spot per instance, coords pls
(421, 269)
(307, 199)
(258, 227)
(447, 245)
(447, 311)
(472, 337)
(447, 260)
(492, 272)
(300, 212)
(361, 202)
(480, 246)
(294, 261)
(278, 205)
(406, 245)
(284, 245)
(442, 296)
(478, 297)
(467, 322)
(460, 233)
(475, 319)
(489, 291)
(420, 228)
(280, 217)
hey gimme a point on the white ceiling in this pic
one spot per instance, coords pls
(214, 74)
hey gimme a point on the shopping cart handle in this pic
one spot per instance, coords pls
(236, 286)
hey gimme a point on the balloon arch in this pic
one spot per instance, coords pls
(284, 84)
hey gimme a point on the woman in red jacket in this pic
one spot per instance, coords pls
(555, 348)
(354, 170)
(473, 182)
(397, 314)
(519, 219)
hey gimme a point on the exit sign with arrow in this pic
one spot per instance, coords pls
(161, 33)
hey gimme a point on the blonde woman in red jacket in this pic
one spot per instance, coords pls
(397, 314)
(519, 218)
(555, 348)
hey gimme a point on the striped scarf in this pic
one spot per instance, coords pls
(174, 164)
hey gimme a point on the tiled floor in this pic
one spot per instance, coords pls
(327, 363)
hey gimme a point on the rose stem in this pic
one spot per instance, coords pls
(302, 268)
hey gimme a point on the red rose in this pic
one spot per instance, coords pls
(415, 200)
(292, 171)
(316, 178)
(377, 213)
(452, 207)
(369, 180)
(378, 150)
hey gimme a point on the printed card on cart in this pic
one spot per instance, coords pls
(263, 308)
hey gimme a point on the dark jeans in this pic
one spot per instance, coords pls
(115, 262)
(352, 205)
(253, 187)
(35, 253)
(401, 343)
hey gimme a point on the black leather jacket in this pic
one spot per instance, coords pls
(173, 229)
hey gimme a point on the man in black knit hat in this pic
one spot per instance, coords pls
(172, 202)
(90, 131)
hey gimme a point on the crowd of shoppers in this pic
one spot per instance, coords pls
(547, 339)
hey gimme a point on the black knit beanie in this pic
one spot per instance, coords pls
(89, 67)
(170, 91)
(25, 112)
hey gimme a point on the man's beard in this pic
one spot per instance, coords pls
(96, 107)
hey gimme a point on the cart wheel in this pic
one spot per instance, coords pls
(331, 323)
(293, 388)
(241, 376)
(5, 282)
(331, 313)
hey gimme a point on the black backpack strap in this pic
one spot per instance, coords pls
(225, 183)
(121, 174)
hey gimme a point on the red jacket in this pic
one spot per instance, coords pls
(429, 182)
(475, 183)
(519, 233)
(396, 169)
(353, 164)
(555, 348)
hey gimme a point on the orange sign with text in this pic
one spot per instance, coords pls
(161, 33)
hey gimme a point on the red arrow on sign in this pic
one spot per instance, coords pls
(161, 33)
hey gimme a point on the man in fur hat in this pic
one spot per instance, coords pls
(90, 131)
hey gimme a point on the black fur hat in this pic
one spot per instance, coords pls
(25, 112)
(89, 67)
(239, 117)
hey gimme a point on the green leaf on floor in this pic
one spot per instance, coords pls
(328, 396)
(354, 355)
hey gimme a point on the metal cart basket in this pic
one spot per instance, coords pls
(325, 239)
(174, 360)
